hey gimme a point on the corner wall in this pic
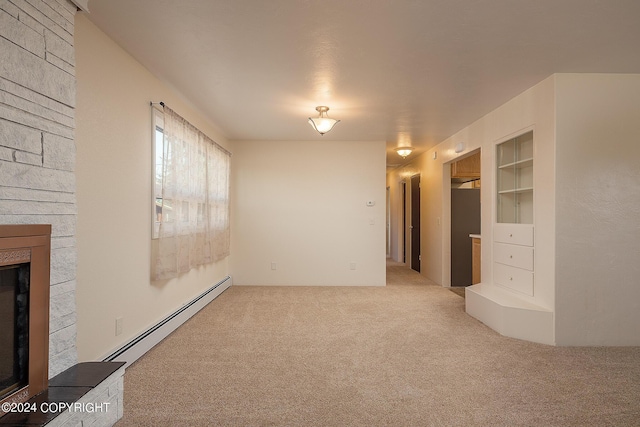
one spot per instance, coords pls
(302, 205)
(114, 197)
(598, 209)
(37, 151)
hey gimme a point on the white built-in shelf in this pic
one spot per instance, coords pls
(514, 184)
(524, 163)
(517, 190)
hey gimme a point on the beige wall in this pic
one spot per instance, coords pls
(303, 206)
(598, 209)
(113, 138)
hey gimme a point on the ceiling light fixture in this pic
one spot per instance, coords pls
(404, 151)
(322, 123)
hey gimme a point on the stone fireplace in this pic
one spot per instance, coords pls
(37, 148)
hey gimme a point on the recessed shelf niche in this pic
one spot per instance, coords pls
(515, 180)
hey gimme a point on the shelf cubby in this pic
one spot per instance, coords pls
(515, 180)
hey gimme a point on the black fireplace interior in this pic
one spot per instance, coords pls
(14, 328)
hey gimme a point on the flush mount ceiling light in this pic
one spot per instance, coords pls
(404, 151)
(322, 123)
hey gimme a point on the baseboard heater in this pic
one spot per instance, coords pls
(144, 342)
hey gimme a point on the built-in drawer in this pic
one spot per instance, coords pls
(513, 255)
(515, 234)
(513, 278)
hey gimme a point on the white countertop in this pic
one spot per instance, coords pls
(475, 236)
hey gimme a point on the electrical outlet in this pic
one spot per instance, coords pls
(352, 266)
(118, 326)
(274, 266)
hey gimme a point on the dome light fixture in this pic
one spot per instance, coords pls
(404, 151)
(322, 123)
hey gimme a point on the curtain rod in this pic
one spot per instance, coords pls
(211, 139)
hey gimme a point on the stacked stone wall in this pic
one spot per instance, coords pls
(37, 148)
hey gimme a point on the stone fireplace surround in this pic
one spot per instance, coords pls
(37, 148)
(37, 169)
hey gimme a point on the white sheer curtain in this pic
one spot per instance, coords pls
(194, 220)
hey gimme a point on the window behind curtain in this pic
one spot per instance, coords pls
(157, 155)
(191, 196)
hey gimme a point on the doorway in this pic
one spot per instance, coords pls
(465, 211)
(388, 222)
(415, 223)
(465, 220)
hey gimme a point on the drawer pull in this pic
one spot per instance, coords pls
(510, 278)
(510, 234)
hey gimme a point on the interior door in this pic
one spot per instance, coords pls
(465, 220)
(415, 223)
(404, 222)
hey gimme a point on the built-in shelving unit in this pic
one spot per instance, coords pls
(513, 237)
(508, 302)
(515, 180)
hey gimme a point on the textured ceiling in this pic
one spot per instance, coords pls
(410, 72)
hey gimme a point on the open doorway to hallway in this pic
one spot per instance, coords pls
(405, 223)
(465, 218)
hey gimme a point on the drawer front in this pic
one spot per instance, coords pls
(515, 234)
(513, 278)
(513, 255)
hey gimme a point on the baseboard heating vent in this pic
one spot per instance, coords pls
(144, 342)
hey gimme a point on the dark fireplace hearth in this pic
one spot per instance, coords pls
(24, 310)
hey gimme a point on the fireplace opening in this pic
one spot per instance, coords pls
(14, 328)
(25, 252)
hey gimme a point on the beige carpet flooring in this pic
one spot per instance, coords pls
(402, 355)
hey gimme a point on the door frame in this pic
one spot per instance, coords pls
(415, 260)
(446, 214)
